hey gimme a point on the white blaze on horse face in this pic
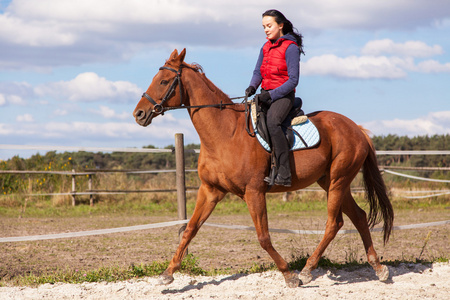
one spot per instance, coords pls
(272, 29)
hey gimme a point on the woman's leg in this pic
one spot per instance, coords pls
(277, 113)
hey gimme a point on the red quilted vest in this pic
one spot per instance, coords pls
(273, 68)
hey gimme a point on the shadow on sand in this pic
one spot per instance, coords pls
(365, 274)
(199, 285)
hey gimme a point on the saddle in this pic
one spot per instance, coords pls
(299, 130)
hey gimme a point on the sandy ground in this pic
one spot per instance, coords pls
(233, 250)
(215, 248)
(407, 281)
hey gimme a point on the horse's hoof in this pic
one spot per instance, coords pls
(383, 273)
(305, 277)
(292, 280)
(165, 279)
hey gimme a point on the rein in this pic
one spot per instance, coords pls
(221, 105)
(159, 108)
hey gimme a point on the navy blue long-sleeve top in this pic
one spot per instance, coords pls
(293, 67)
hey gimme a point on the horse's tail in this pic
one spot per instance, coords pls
(376, 192)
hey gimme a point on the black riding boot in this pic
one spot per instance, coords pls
(282, 158)
(276, 114)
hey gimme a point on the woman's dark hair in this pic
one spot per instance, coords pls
(287, 27)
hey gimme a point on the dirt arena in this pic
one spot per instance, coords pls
(408, 281)
(232, 250)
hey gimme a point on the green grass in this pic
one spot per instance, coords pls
(166, 205)
(111, 274)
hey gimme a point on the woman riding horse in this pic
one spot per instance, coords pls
(278, 70)
(232, 161)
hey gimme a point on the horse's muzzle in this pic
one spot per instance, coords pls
(142, 118)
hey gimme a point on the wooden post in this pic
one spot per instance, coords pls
(73, 188)
(91, 197)
(180, 179)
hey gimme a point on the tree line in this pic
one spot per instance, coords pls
(394, 142)
(86, 161)
(158, 161)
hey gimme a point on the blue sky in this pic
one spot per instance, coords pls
(71, 72)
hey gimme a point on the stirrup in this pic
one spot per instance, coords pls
(270, 180)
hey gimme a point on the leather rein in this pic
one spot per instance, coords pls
(159, 108)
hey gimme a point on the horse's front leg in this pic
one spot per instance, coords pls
(256, 203)
(207, 198)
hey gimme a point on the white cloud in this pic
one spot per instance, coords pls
(431, 124)
(363, 67)
(60, 112)
(11, 99)
(127, 133)
(409, 48)
(22, 89)
(89, 87)
(42, 33)
(6, 130)
(318, 14)
(48, 33)
(432, 66)
(151, 11)
(109, 113)
(14, 99)
(374, 65)
(25, 118)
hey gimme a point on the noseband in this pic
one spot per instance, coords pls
(158, 107)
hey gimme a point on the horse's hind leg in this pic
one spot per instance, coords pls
(359, 219)
(334, 223)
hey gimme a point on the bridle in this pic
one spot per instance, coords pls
(160, 108)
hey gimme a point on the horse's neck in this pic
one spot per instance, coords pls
(213, 125)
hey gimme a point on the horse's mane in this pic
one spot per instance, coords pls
(199, 69)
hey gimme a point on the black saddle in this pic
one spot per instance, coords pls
(261, 121)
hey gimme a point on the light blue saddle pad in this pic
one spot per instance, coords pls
(307, 130)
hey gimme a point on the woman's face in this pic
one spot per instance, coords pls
(272, 29)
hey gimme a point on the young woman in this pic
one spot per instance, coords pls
(277, 71)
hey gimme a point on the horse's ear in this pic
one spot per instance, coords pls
(173, 55)
(180, 57)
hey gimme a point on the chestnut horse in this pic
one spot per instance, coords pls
(231, 161)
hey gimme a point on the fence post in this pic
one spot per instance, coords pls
(73, 188)
(180, 180)
(91, 197)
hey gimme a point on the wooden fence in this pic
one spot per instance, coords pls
(180, 170)
(180, 175)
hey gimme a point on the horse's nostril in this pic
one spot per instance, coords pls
(140, 114)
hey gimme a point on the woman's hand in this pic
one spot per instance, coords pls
(265, 98)
(250, 91)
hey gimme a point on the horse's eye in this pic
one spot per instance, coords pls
(164, 82)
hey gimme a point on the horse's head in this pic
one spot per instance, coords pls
(163, 91)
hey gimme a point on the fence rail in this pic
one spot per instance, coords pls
(180, 171)
(178, 150)
(180, 187)
(88, 149)
(150, 150)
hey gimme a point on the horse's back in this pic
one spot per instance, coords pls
(340, 139)
(337, 129)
